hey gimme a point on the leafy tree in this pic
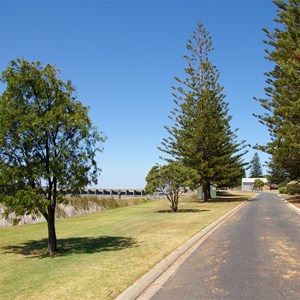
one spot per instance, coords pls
(258, 184)
(47, 142)
(255, 167)
(201, 137)
(282, 104)
(172, 179)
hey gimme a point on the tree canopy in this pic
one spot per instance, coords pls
(276, 174)
(255, 167)
(258, 184)
(282, 104)
(201, 137)
(48, 143)
(172, 179)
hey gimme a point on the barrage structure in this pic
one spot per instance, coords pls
(112, 192)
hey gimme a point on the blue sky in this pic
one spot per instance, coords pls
(123, 55)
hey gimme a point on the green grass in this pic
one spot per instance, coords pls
(100, 254)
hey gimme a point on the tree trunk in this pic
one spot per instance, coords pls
(204, 191)
(174, 206)
(208, 190)
(52, 241)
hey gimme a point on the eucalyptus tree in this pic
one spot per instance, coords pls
(201, 137)
(48, 143)
(282, 103)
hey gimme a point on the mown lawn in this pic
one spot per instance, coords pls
(100, 254)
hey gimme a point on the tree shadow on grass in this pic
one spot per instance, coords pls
(187, 210)
(69, 246)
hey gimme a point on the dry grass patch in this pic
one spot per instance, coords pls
(295, 200)
(101, 254)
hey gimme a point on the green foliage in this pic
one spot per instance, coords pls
(47, 141)
(255, 167)
(283, 183)
(283, 190)
(293, 189)
(201, 137)
(258, 183)
(173, 180)
(276, 174)
(282, 104)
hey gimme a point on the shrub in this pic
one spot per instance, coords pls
(293, 189)
(283, 190)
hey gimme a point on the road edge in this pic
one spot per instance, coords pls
(291, 206)
(179, 255)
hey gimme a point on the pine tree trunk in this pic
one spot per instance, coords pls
(52, 241)
(208, 190)
(204, 191)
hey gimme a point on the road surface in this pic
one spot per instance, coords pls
(254, 255)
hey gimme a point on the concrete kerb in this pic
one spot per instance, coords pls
(290, 205)
(139, 287)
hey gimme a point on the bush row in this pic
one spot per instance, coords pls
(291, 189)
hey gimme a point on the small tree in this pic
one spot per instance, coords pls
(255, 167)
(258, 184)
(47, 142)
(173, 180)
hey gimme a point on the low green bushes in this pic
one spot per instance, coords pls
(290, 189)
(282, 190)
(293, 189)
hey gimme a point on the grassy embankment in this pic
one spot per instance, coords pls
(101, 254)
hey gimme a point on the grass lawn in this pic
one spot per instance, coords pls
(100, 254)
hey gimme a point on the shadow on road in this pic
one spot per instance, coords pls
(68, 246)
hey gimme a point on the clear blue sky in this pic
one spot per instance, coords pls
(123, 55)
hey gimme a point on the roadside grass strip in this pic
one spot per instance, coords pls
(101, 254)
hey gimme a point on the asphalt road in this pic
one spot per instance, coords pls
(254, 255)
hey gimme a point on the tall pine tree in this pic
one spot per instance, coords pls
(201, 137)
(255, 167)
(276, 174)
(283, 94)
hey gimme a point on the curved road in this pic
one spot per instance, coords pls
(254, 255)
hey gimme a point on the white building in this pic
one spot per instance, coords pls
(247, 183)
